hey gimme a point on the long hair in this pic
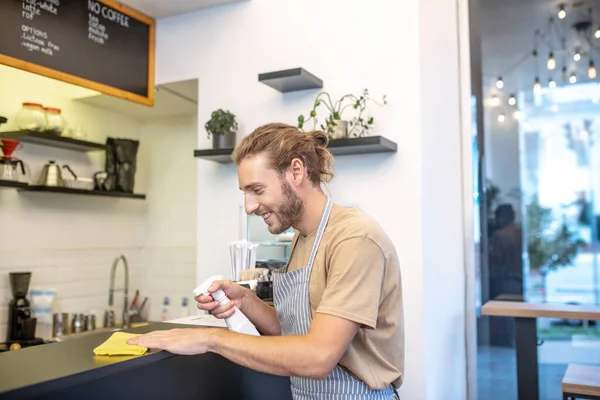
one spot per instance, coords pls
(282, 143)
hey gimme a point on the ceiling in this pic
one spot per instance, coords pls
(508, 40)
(170, 100)
(168, 8)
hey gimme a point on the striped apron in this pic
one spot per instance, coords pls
(292, 303)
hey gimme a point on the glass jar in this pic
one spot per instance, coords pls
(31, 117)
(55, 123)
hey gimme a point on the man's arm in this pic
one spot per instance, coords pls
(313, 355)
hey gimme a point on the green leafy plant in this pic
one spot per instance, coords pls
(359, 125)
(549, 247)
(221, 122)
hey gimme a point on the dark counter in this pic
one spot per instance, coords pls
(70, 370)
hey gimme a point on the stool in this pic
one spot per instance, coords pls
(581, 382)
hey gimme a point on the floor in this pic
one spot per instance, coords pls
(496, 368)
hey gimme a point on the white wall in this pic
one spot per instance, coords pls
(169, 243)
(407, 50)
(68, 242)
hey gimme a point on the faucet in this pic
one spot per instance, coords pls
(111, 289)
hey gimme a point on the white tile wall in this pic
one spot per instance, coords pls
(80, 276)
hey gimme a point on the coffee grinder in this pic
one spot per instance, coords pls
(21, 326)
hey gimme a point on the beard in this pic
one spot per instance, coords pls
(289, 212)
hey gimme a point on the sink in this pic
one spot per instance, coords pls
(99, 330)
(87, 333)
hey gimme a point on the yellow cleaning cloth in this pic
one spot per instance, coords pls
(116, 345)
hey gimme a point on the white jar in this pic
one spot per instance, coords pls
(31, 117)
(55, 123)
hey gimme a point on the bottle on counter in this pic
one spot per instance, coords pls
(166, 315)
(185, 309)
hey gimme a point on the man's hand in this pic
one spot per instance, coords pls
(177, 341)
(260, 314)
(235, 292)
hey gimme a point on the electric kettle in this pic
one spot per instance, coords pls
(52, 176)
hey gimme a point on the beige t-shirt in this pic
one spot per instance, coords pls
(356, 276)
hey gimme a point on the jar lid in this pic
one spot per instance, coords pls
(26, 104)
(57, 110)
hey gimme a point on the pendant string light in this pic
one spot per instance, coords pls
(536, 85)
(591, 67)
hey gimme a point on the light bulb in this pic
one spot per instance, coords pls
(537, 85)
(501, 118)
(592, 71)
(518, 115)
(597, 33)
(511, 100)
(577, 56)
(495, 101)
(551, 84)
(573, 78)
(499, 83)
(551, 64)
(561, 11)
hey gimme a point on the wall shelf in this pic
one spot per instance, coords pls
(338, 147)
(290, 80)
(222, 156)
(12, 184)
(64, 190)
(362, 145)
(48, 139)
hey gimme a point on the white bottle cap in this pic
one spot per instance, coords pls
(203, 287)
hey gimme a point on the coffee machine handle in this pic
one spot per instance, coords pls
(70, 170)
(20, 162)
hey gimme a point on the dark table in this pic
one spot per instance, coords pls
(70, 370)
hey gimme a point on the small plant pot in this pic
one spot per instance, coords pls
(224, 141)
(340, 129)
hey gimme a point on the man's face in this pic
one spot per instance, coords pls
(268, 194)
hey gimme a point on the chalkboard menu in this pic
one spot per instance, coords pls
(98, 44)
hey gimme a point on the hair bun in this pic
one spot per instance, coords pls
(319, 138)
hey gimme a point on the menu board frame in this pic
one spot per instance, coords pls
(147, 100)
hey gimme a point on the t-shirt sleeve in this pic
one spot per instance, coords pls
(354, 281)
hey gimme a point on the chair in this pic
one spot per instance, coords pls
(581, 382)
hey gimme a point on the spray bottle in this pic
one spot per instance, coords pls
(236, 322)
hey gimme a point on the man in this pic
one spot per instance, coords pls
(337, 327)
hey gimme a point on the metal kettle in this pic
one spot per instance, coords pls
(52, 175)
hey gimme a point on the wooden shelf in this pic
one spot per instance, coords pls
(48, 139)
(338, 147)
(64, 190)
(12, 184)
(290, 80)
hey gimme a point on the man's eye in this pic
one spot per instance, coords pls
(258, 191)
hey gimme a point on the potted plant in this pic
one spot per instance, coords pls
(334, 125)
(549, 247)
(223, 126)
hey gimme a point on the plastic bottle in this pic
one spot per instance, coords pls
(165, 313)
(236, 322)
(185, 310)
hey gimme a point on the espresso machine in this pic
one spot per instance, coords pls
(21, 325)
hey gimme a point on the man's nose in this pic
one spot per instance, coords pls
(251, 205)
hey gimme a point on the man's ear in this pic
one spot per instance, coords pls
(298, 171)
